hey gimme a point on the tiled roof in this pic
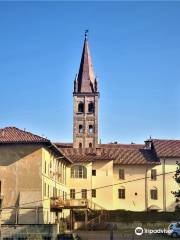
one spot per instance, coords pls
(63, 145)
(107, 145)
(134, 156)
(85, 154)
(166, 148)
(15, 135)
(118, 155)
(117, 145)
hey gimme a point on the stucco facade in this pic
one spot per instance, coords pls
(137, 183)
(30, 174)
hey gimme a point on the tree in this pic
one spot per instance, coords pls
(177, 179)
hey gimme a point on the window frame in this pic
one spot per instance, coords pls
(121, 193)
(78, 171)
(80, 128)
(154, 193)
(154, 174)
(80, 107)
(72, 193)
(84, 193)
(91, 106)
(93, 171)
(90, 129)
(93, 193)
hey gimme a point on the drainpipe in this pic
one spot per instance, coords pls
(146, 190)
(164, 185)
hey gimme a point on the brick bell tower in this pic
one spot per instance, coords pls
(86, 97)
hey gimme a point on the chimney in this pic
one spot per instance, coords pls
(148, 144)
(98, 151)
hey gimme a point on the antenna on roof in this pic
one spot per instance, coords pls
(24, 129)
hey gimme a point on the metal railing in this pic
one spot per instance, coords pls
(59, 203)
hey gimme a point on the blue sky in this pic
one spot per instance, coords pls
(135, 48)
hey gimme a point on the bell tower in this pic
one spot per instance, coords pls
(86, 98)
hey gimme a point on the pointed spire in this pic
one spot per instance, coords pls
(86, 74)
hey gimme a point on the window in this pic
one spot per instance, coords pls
(80, 145)
(80, 128)
(72, 193)
(90, 128)
(93, 193)
(84, 193)
(121, 193)
(81, 107)
(93, 172)
(154, 194)
(121, 174)
(78, 171)
(90, 145)
(153, 174)
(91, 107)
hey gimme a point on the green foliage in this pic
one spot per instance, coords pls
(177, 179)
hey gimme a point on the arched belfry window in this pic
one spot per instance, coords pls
(80, 145)
(90, 128)
(80, 128)
(90, 145)
(81, 107)
(78, 171)
(91, 107)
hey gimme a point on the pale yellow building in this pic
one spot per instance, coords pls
(121, 176)
(32, 170)
(41, 182)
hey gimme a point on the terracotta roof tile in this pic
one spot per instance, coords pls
(15, 135)
(166, 148)
(85, 154)
(121, 155)
(117, 145)
(63, 145)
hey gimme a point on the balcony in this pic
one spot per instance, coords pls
(59, 203)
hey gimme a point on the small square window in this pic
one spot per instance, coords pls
(121, 193)
(94, 193)
(154, 194)
(153, 174)
(93, 172)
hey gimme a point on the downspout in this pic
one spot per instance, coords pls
(164, 185)
(146, 190)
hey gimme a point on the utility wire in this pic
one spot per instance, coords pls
(88, 190)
